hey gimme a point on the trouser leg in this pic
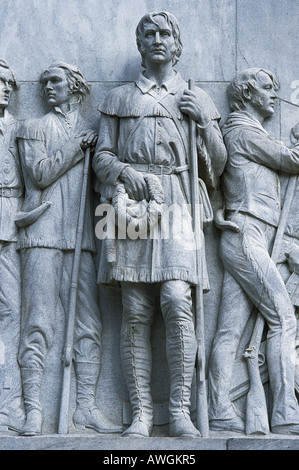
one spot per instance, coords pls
(246, 257)
(235, 309)
(10, 317)
(10, 288)
(181, 347)
(41, 276)
(136, 354)
(41, 273)
(87, 343)
(138, 311)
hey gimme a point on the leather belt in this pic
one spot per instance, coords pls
(10, 192)
(158, 169)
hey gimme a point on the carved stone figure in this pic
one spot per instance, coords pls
(11, 196)
(52, 151)
(251, 187)
(289, 250)
(141, 163)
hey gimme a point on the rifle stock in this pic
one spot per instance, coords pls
(256, 409)
(201, 398)
(63, 425)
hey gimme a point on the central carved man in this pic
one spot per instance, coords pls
(143, 134)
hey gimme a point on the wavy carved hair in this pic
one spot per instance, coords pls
(172, 23)
(246, 80)
(77, 83)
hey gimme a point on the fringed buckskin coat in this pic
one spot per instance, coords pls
(142, 124)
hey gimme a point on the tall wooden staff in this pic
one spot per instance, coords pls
(196, 207)
(63, 426)
(256, 411)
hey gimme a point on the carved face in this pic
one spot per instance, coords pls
(158, 44)
(56, 87)
(264, 94)
(6, 86)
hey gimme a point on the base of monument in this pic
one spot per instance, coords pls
(218, 441)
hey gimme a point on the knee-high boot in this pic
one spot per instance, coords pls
(87, 414)
(31, 384)
(137, 365)
(181, 353)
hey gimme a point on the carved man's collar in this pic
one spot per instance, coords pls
(73, 107)
(242, 118)
(6, 114)
(171, 85)
(5, 120)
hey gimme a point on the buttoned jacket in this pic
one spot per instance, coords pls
(53, 171)
(251, 178)
(11, 181)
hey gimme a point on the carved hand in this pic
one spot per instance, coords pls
(190, 105)
(293, 259)
(134, 183)
(295, 132)
(87, 139)
(224, 224)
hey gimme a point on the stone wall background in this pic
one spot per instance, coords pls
(220, 38)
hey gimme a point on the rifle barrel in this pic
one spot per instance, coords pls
(202, 405)
(63, 425)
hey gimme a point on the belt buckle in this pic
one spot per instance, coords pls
(151, 168)
(163, 170)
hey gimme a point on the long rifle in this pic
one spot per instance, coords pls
(256, 411)
(63, 426)
(196, 207)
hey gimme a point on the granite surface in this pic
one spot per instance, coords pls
(220, 38)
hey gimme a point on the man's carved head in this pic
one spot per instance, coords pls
(173, 25)
(77, 83)
(240, 89)
(7, 85)
(4, 65)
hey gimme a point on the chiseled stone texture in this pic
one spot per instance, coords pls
(100, 36)
(121, 446)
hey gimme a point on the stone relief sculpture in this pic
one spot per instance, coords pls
(248, 246)
(141, 162)
(11, 196)
(143, 158)
(287, 258)
(52, 154)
